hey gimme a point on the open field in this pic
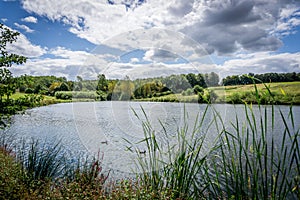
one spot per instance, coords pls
(283, 93)
(289, 88)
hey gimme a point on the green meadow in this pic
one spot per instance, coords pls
(278, 93)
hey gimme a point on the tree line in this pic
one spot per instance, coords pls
(259, 78)
(126, 89)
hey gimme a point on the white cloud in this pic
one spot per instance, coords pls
(288, 20)
(30, 19)
(247, 30)
(69, 64)
(24, 47)
(158, 55)
(225, 27)
(4, 19)
(68, 54)
(134, 60)
(64, 62)
(262, 63)
(24, 27)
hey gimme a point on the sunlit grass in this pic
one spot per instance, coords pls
(285, 93)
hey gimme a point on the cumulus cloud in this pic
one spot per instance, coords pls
(70, 64)
(134, 60)
(24, 47)
(30, 19)
(289, 19)
(221, 26)
(166, 30)
(65, 62)
(262, 63)
(158, 55)
(24, 27)
(234, 26)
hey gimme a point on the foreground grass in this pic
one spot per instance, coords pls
(34, 171)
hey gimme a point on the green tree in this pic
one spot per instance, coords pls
(192, 79)
(127, 88)
(102, 87)
(55, 86)
(8, 36)
(198, 89)
(7, 59)
(102, 83)
(7, 86)
(63, 87)
(201, 81)
(212, 79)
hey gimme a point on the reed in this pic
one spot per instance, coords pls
(252, 162)
(247, 160)
(175, 161)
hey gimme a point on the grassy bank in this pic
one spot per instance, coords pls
(281, 93)
(46, 100)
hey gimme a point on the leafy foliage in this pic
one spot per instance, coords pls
(265, 78)
(7, 37)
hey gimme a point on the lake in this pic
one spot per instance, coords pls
(113, 128)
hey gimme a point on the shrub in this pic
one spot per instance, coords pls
(63, 95)
(22, 88)
(10, 177)
(29, 91)
(188, 92)
(198, 89)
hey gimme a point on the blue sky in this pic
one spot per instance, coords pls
(139, 38)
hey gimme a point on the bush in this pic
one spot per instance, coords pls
(22, 88)
(29, 91)
(10, 177)
(63, 95)
(188, 92)
(198, 89)
(30, 100)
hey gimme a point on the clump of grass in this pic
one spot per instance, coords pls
(174, 162)
(247, 161)
(85, 180)
(11, 186)
(251, 163)
(35, 170)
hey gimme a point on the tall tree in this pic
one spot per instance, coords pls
(213, 79)
(102, 83)
(102, 87)
(7, 85)
(8, 36)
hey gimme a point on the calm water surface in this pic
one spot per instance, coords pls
(113, 128)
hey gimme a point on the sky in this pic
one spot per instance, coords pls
(150, 38)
